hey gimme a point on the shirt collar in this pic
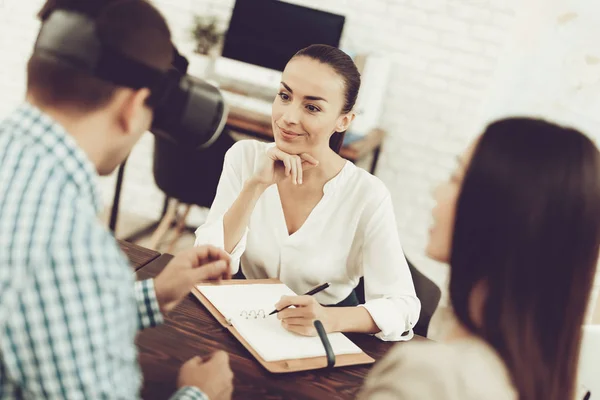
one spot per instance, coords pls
(339, 179)
(60, 144)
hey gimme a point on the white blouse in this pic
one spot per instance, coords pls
(350, 233)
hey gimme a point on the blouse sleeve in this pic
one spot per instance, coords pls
(390, 294)
(229, 188)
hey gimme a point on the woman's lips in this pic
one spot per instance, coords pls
(289, 134)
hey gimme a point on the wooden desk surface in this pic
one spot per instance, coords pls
(138, 255)
(190, 330)
(353, 152)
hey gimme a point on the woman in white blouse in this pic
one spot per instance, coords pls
(297, 211)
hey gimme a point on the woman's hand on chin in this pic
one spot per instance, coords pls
(277, 165)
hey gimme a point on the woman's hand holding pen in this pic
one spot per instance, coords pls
(301, 317)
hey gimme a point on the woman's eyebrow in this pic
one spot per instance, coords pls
(313, 98)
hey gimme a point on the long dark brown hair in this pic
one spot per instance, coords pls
(528, 228)
(343, 65)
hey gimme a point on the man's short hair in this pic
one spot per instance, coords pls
(132, 27)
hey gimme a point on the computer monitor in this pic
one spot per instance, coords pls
(269, 32)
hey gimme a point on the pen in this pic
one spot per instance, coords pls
(587, 395)
(309, 293)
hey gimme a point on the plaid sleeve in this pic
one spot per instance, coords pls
(148, 309)
(189, 393)
(72, 331)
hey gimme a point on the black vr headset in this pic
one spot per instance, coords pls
(187, 111)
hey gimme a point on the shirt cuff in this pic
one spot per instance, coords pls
(213, 233)
(149, 314)
(386, 317)
(189, 393)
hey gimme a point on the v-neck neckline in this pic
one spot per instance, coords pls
(326, 193)
(283, 220)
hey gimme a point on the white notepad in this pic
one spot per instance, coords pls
(244, 307)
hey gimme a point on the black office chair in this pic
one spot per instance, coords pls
(427, 291)
(186, 176)
(189, 175)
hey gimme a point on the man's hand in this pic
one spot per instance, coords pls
(188, 269)
(213, 376)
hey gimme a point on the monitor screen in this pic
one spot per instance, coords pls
(269, 32)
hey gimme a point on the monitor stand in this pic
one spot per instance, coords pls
(246, 79)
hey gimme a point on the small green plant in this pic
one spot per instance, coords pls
(206, 34)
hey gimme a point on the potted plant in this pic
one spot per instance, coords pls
(206, 36)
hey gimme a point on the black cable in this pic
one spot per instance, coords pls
(325, 340)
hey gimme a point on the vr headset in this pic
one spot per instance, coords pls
(187, 111)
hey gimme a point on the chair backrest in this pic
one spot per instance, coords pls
(428, 293)
(190, 175)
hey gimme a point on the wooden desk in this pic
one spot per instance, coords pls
(355, 151)
(190, 330)
(138, 255)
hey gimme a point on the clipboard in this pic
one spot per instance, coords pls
(283, 366)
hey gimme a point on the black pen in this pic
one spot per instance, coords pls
(587, 395)
(309, 293)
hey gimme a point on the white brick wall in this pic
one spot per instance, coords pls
(552, 68)
(447, 80)
(444, 55)
(443, 66)
(17, 32)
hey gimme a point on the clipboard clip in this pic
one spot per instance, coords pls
(326, 344)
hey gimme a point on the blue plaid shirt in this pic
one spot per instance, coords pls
(69, 306)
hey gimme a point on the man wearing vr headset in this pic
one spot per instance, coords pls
(69, 306)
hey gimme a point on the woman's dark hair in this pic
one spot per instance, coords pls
(528, 229)
(343, 65)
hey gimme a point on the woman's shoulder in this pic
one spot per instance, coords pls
(365, 183)
(468, 369)
(422, 355)
(363, 194)
(245, 154)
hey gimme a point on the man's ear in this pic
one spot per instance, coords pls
(344, 121)
(132, 104)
